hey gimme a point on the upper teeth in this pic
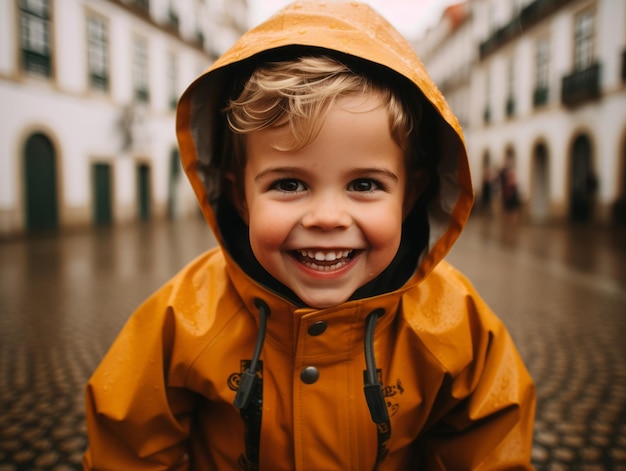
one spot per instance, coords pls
(325, 256)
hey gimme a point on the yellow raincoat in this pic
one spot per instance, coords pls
(455, 394)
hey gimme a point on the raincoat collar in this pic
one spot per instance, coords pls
(287, 322)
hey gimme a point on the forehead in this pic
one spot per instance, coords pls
(355, 131)
(300, 127)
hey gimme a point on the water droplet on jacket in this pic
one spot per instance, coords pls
(302, 31)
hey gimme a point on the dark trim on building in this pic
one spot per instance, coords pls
(141, 11)
(528, 17)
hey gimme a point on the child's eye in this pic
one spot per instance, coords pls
(364, 185)
(288, 185)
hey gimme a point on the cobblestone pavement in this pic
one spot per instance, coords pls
(562, 294)
(561, 291)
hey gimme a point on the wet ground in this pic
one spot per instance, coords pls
(560, 290)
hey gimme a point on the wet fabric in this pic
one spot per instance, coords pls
(456, 393)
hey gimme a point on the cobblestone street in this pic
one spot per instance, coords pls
(562, 295)
(560, 290)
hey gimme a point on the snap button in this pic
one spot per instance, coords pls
(318, 328)
(309, 375)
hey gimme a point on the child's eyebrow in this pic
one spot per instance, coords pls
(374, 170)
(354, 173)
(277, 170)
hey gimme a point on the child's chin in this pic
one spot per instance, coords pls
(323, 300)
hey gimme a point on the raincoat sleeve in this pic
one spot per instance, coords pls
(486, 408)
(137, 418)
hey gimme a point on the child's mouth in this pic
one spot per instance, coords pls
(324, 260)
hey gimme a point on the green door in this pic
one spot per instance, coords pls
(174, 182)
(40, 184)
(101, 174)
(143, 191)
(583, 181)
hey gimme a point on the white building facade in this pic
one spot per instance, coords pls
(547, 89)
(88, 90)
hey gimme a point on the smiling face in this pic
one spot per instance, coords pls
(326, 219)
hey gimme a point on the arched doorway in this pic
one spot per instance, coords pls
(583, 182)
(40, 183)
(540, 190)
(102, 194)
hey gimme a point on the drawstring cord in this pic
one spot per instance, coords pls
(249, 377)
(373, 389)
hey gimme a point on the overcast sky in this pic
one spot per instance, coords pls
(411, 17)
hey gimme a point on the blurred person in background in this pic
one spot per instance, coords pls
(509, 192)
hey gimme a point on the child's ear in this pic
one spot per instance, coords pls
(237, 197)
(416, 185)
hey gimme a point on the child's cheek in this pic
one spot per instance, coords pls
(383, 228)
(268, 229)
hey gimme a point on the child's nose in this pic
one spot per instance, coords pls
(327, 213)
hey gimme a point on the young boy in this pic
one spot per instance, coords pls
(326, 332)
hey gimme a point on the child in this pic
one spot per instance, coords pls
(326, 332)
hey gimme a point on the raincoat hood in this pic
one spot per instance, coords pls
(354, 34)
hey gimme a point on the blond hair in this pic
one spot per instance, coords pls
(299, 93)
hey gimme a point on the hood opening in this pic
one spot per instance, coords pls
(430, 228)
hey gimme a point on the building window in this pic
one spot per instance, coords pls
(487, 110)
(98, 52)
(583, 84)
(542, 63)
(583, 40)
(199, 14)
(542, 71)
(172, 17)
(172, 78)
(510, 100)
(140, 70)
(35, 36)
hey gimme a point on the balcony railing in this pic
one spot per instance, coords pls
(141, 4)
(140, 7)
(530, 15)
(581, 86)
(37, 62)
(99, 81)
(540, 96)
